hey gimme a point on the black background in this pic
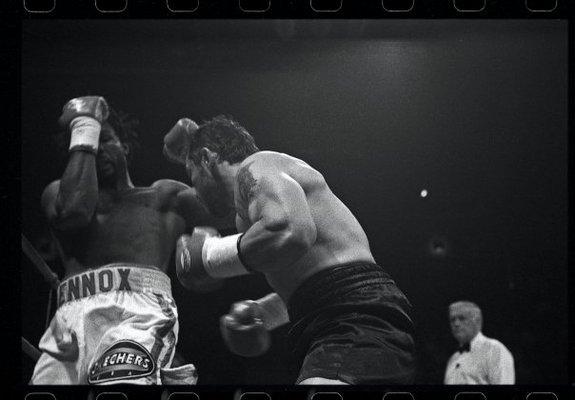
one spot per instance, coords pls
(475, 112)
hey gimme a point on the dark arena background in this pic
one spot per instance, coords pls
(446, 138)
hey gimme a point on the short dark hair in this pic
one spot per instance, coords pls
(123, 123)
(225, 136)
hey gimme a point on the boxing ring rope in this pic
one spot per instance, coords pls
(30, 350)
(40, 264)
(51, 278)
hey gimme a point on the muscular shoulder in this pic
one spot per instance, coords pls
(48, 200)
(267, 172)
(256, 169)
(52, 187)
(181, 198)
(270, 160)
(273, 166)
(270, 163)
(170, 186)
(174, 192)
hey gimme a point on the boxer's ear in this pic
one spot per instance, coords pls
(208, 157)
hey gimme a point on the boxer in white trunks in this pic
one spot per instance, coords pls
(116, 321)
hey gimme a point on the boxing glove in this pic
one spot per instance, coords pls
(243, 330)
(83, 116)
(189, 264)
(177, 140)
(205, 254)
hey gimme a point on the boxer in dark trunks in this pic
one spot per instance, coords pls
(117, 321)
(350, 322)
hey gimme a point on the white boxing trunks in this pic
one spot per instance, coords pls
(114, 324)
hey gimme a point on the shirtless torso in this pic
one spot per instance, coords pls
(139, 225)
(286, 182)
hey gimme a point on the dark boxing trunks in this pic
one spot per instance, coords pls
(351, 323)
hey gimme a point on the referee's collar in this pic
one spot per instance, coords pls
(477, 340)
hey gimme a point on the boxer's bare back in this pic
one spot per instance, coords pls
(339, 239)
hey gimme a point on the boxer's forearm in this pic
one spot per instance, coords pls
(266, 247)
(275, 311)
(78, 194)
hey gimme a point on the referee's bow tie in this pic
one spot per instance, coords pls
(464, 348)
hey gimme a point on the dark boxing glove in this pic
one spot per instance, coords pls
(177, 140)
(243, 330)
(189, 264)
(84, 116)
(205, 255)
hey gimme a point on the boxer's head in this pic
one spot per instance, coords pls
(112, 153)
(466, 320)
(215, 148)
(118, 138)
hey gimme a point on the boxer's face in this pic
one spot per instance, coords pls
(464, 324)
(111, 152)
(208, 181)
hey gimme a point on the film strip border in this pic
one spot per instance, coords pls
(295, 8)
(278, 393)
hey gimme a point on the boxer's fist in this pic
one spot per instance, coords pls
(243, 330)
(177, 140)
(88, 106)
(189, 264)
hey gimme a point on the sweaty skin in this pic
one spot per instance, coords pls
(275, 193)
(98, 217)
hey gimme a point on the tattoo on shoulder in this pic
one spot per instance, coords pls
(247, 184)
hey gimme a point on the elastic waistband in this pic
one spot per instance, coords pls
(332, 285)
(114, 277)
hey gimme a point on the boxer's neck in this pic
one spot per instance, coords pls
(118, 182)
(228, 176)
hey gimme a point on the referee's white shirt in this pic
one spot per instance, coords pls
(488, 362)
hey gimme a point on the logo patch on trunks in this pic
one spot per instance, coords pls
(125, 359)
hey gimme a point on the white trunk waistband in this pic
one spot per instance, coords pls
(114, 277)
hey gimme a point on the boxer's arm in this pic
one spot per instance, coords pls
(281, 228)
(274, 311)
(77, 195)
(48, 200)
(193, 210)
(245, 329)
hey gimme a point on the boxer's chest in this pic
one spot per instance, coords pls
(135, 199)
(136, 209)
(133, 227)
